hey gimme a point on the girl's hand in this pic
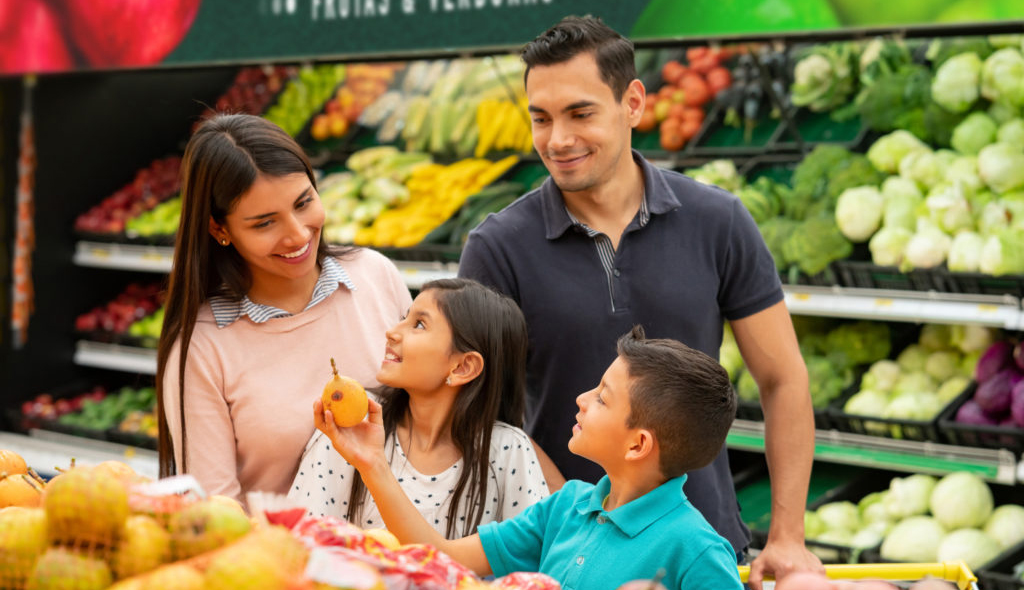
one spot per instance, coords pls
(361, 445)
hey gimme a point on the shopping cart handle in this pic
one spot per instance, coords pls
(951, 571)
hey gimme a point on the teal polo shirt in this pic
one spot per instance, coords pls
(569, 537)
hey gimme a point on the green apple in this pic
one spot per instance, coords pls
(144, 546)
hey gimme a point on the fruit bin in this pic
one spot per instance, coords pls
(917, 430)
(1004, 573)
(867, 275)
(973, 282)
(828, 483)
(977, 435)
(98, 411)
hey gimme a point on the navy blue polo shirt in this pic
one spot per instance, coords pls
(692, 259)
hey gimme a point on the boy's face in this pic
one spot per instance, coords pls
(581, 132)
(600, 433)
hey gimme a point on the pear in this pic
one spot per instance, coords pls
(204, 526)
(86, 507)
(22, 541)
(61, 568)
(345, 398)
(144, 546)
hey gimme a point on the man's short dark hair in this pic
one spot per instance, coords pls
(681, 395)
(574, 35)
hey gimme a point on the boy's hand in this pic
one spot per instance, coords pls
(780, 558)
(361, 445)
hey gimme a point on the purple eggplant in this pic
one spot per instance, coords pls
(1017, 403)
(994, 395)
(992, 361)
(971, 413)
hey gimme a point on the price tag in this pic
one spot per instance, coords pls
(100, 252)
(802, 296)
(883, 302)
(988, 308)
(129, 452)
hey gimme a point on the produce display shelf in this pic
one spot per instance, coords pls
(45, 451)
(1001, 311)
(124, 256)
(995, 465)
(117, 357)
(158, 259)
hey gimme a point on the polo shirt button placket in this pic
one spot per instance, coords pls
(601, 519)
(579, 560)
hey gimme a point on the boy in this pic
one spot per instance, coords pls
(661, 410)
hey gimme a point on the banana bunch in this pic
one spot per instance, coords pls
(503, 125)
(436, 192)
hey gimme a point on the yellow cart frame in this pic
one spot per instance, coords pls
(956, 572)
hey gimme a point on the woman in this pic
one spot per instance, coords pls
(260, 304)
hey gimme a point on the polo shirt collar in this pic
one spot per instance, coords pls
(227, 311)
(658, 196)
(637, 515)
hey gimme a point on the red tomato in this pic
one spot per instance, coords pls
(696, 89)
(672, 71)
(688, 129)
(718, 79)
(670, 136)
(648, 120)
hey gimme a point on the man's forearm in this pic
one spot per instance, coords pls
(789, 451)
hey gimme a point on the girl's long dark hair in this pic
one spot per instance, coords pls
(222, 161)
(490, 323)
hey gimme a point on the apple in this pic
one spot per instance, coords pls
(31, 35)
(128, 33)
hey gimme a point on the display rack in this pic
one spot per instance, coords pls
(46, 451)
(158, 259)
(995, 465)
(117, 357)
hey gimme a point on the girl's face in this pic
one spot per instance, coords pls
(275, 226)
(419, 354)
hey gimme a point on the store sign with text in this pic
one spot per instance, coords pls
(44, 36)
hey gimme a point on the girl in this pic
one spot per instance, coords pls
(259, 304)
(452, 407)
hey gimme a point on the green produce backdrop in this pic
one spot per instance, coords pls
(259, 30)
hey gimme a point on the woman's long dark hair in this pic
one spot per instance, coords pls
(490, 323)
(223, 159)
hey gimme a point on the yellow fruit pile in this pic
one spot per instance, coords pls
(435, 193)
(504, 125)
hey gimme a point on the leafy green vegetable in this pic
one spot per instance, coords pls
(815, 244)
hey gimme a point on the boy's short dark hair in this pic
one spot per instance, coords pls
(681, 395)
(574, 35)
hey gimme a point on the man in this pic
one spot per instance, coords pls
(610, 241)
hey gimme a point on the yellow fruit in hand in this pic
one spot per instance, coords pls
(345, 398)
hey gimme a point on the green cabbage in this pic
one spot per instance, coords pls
(965, 252)
(961, 500)
(840, 516)
(912, 358)
(1006, 525)
(971, 546)
(915, 540)
(909, 496)
(859, 212)
(955, 86)
(1012, 132)
(887, 151)
(881, 376)
(1003, 253)
(1001, 167)
(923, 167)
(952, 387)
(942, 364)
(973, 133)
(1002, 77)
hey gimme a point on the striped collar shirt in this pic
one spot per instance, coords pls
(605, 251)
(226, 311)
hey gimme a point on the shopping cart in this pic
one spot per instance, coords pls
(956, 572)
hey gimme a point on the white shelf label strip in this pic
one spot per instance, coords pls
(116, 357)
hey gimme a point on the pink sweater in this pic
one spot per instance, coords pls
(249, 388)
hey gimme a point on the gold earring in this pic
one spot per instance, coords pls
(223, 242)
